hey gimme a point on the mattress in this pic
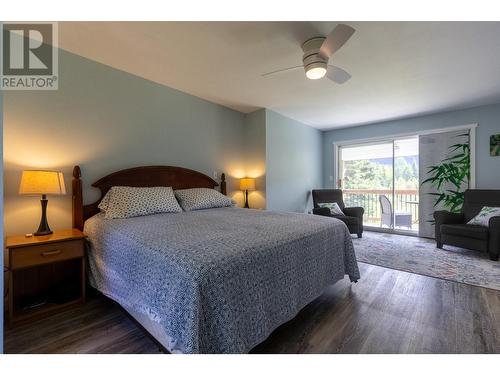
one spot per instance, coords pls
(217, 280)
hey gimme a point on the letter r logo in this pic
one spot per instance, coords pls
(27, 49)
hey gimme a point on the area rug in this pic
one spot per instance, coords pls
(420, 255)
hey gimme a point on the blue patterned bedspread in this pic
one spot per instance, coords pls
(218, 280)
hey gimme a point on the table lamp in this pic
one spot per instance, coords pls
(247, 184)
(42, 182)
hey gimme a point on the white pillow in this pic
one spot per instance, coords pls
(124, 201)
(484, 216)
(201, 198)
(334, 208)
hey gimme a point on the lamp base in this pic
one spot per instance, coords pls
(246, 199)
(42, 233)
(43, 228)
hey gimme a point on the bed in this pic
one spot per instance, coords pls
(216, 280)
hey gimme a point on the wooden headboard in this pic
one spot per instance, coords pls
(148, 176)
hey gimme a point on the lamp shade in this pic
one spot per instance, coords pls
(247, 184)
(42, 182)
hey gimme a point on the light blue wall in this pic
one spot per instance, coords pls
(105, 119)
(293, 163)
(487, 118)
(255, 156)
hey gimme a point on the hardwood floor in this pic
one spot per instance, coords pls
(387, 311)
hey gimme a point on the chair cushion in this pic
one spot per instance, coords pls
(483, 217)
(349, 220)
(334, 208)
(476, 199)
(402, 213)
(465, 230)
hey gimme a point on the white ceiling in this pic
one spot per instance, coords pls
(399, 69)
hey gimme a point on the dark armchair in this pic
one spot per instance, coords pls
(452, 228)
(353, 215)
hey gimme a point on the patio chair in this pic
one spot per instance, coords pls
(393, 219)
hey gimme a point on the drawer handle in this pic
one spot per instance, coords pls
(49, 253)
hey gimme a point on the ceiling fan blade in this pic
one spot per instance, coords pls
(337, 75)
(336, 39)
(282, 70)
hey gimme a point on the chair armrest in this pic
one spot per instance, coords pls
(323, 211)
(447, 217)
(494, 237)
(354, 211)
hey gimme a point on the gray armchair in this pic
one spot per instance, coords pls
(353, 217)
(452, 228)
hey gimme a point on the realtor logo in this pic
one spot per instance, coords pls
(29, 56)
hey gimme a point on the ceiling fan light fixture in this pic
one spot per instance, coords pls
(317, 56)
(315, 71)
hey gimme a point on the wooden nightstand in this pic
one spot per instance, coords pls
(46, 273)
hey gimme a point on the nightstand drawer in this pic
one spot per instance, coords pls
(46, 253)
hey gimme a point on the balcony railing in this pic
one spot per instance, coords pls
(404, 201)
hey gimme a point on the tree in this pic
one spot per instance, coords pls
(366, 174)
(377, 173)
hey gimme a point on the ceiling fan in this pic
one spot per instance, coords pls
(317, 53)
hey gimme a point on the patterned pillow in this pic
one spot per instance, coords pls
(484, 216)
(201, 198)
(334, 208)
(124, 201)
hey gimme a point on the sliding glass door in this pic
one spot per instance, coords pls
(382, 178)
(406, 184)
(366, 174)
